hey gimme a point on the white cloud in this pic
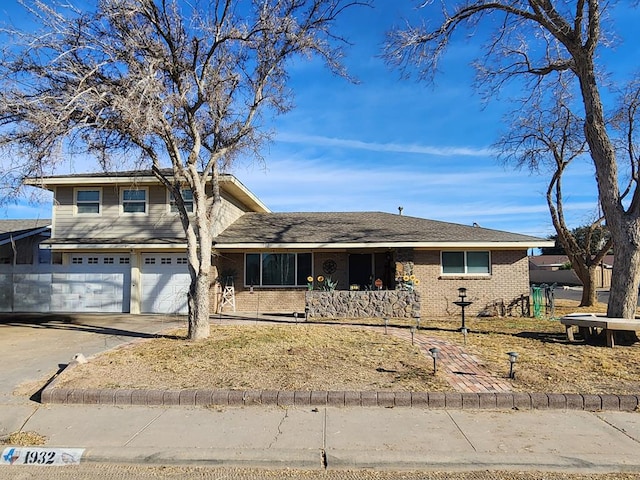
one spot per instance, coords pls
(317, 140)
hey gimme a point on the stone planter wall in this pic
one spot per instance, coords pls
(362, 304)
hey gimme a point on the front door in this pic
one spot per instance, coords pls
(361, 270)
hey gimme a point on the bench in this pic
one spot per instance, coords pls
(588, 321)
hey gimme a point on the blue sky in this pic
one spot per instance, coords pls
(388, 142)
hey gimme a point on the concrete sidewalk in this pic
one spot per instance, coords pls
(338, 438)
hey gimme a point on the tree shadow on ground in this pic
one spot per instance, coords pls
(70, 322)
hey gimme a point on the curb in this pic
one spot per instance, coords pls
(283, 398)
(427, 400)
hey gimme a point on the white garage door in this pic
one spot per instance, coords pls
(96, 283)
(165, 282)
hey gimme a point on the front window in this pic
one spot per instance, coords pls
(87, 201)
(277, 269)
(134, 201)
(466, 263)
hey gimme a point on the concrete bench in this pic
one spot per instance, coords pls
(589, 321)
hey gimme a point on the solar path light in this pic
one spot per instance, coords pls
(513, 356)
(434, 353)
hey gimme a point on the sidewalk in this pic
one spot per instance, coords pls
(339, 438)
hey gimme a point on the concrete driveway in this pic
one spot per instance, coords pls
(33, 347)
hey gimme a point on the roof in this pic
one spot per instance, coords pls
(365, 229)
(18, 229)
(558, 260)
(115, 243)
(228, 183)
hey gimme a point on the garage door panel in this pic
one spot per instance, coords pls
(165, 284)
(91, 288)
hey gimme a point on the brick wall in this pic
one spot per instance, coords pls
(509, 280)
(262, 299)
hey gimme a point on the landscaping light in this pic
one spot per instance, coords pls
(413, 332)
(418, 323)
(462, 303)
(513, 356)
(434, 353)
(386, 323)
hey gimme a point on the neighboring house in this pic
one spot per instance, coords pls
(21, 261)
(20, 240)
(121, 231)
(553, 269)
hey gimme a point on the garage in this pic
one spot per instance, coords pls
(92, 283)
(165, 283)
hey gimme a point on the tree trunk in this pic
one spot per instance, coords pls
(625, 277)
(199, 327)
(589, 291)
(623, 225)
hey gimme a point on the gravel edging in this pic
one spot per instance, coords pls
(428, 400)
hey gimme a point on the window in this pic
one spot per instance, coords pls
(124, 260)
(277, 269)
(92, 260)
(165, 261)
(149, 261)
(107, 260)
(187, 197)
(181, 261)
(76, 260)
(134, 201)
(87, 201)
(466, 263)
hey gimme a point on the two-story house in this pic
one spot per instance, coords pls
(117, 245)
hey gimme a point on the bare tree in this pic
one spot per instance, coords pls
(549, 140)
(550, 46)
(179, 84)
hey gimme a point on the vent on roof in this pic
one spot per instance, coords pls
(400, 210)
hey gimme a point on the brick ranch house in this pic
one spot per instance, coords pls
(117, 245)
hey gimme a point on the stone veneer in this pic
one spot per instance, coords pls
(362, 304)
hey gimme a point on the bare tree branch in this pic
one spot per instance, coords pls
(171, 83)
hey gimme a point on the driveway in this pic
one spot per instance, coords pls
(33, 347)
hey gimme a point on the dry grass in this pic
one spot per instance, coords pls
(24, 439)
(325, 357)
(290, 357)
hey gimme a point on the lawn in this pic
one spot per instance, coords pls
(327, 356)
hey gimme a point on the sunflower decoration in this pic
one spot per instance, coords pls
(408, 282)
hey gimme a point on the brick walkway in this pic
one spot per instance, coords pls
(463, 371)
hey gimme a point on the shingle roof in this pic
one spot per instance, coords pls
(357, 227)
(20, 228)
(14, 226)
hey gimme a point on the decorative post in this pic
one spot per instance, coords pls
(462, 303)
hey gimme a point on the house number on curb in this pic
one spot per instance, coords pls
(41, 456)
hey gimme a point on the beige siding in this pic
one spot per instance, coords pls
(158, 223)
(230, 211)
